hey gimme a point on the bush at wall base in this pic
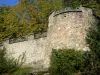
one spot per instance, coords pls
(67, 62)
(9, 64)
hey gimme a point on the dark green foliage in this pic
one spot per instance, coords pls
(8, 64)
(93, 39)
(66, 62)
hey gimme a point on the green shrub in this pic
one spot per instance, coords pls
(9, 64)
(66, 62)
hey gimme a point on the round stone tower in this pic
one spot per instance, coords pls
(68, 29)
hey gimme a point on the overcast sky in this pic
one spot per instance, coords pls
(9, 2)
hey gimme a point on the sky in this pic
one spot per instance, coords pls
(8, 2)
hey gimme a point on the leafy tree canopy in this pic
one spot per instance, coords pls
(31, 16)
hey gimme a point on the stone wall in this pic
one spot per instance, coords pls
(66, 29)
(34, 51)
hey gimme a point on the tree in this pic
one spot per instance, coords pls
(4, 10)
(93, 4)
(45, 7)
(93, 39)
(21, 20)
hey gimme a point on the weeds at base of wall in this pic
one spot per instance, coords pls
(8, 64)
(20, 71)
(23, 71)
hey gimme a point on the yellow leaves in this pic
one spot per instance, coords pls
(20, 20)
(26, 18)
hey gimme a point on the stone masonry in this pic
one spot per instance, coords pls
(66, 29)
